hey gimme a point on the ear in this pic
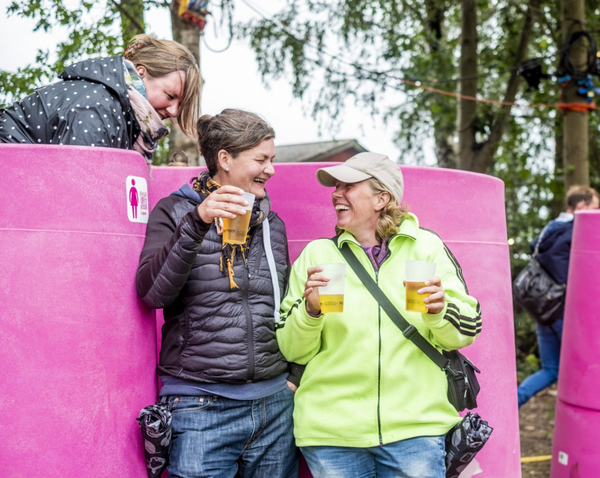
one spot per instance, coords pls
(224, 159)
(580, 205)
(382, 200)
(141, 70)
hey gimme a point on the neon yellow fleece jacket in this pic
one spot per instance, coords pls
(365, 384)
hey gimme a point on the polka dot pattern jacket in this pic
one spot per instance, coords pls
(89, 107)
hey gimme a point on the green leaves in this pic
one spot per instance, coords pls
(91, 31)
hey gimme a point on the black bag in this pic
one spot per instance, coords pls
(537, 292)
(156, 426)
(463, 385)
(463, 442)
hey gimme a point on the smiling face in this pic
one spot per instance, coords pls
(357, 208)
(164, 93)
(250, 170)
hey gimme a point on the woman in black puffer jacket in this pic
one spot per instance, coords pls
(223, 376)
(114, 102)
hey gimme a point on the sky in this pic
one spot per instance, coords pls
(231, 79)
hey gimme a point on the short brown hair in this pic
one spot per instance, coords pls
(232, 130)
(390, 217)
(161, 57)
(577, 193)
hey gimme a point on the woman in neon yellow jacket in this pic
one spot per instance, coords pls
(372, 404)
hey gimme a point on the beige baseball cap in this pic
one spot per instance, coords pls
(364, 166)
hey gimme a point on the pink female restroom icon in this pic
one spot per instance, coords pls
(133, 199)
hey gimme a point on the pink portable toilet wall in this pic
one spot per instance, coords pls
(576, 444)
(78, 351)
(467, 211)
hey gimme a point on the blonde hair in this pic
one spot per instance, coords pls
(161, 57)
(390, 217)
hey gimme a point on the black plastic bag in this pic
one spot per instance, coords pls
(539, 294)
(463, 442)
(155, 424)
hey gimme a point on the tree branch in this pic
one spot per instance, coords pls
(491, 145)
(124, 11)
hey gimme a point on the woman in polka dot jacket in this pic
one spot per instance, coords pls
(114, 102)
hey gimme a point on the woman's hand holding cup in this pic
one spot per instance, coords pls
(436, 301)
(227, 201)
(424, 291)
(311, 291)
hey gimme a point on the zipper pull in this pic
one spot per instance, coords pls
(247, 268)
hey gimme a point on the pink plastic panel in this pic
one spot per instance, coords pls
(579, 374)
(78, 350)
(575, 452)
(467, 211)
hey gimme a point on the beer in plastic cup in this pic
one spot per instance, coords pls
(417, 272)
(332, 295)
(235, 230)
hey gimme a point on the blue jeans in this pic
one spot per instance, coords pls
(218, 437)
(549, 339)
(421, 457)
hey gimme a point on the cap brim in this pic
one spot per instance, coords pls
(328, 176)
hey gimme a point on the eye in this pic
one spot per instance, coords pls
(171, 97)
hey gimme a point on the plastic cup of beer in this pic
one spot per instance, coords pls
(417, 272)
(235, 230)
(332, 295)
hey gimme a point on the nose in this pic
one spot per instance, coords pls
(337, 193)
(269, 168)
(173, 109)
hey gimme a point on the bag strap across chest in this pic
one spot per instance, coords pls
(408, 330)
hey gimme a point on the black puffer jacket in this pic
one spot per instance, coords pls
(89, 107)
(211, 333)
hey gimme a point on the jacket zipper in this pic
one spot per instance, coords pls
(379, 354)
(248, 323)
(379, 346)
(379, 368)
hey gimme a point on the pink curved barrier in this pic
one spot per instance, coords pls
(78, 352)
(576, 444)
(467, 211)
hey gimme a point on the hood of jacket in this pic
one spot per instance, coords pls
(109, 72)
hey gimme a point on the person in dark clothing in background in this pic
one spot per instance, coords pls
(223, 377)
(114, 102)
(553, 256)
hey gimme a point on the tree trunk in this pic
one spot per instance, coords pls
(467, 109)
(471, 155)
(575, 140)
(189, 36)
(434, 25)
(559, 202)
(444, 151)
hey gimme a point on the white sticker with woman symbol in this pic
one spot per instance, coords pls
(137, 199)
